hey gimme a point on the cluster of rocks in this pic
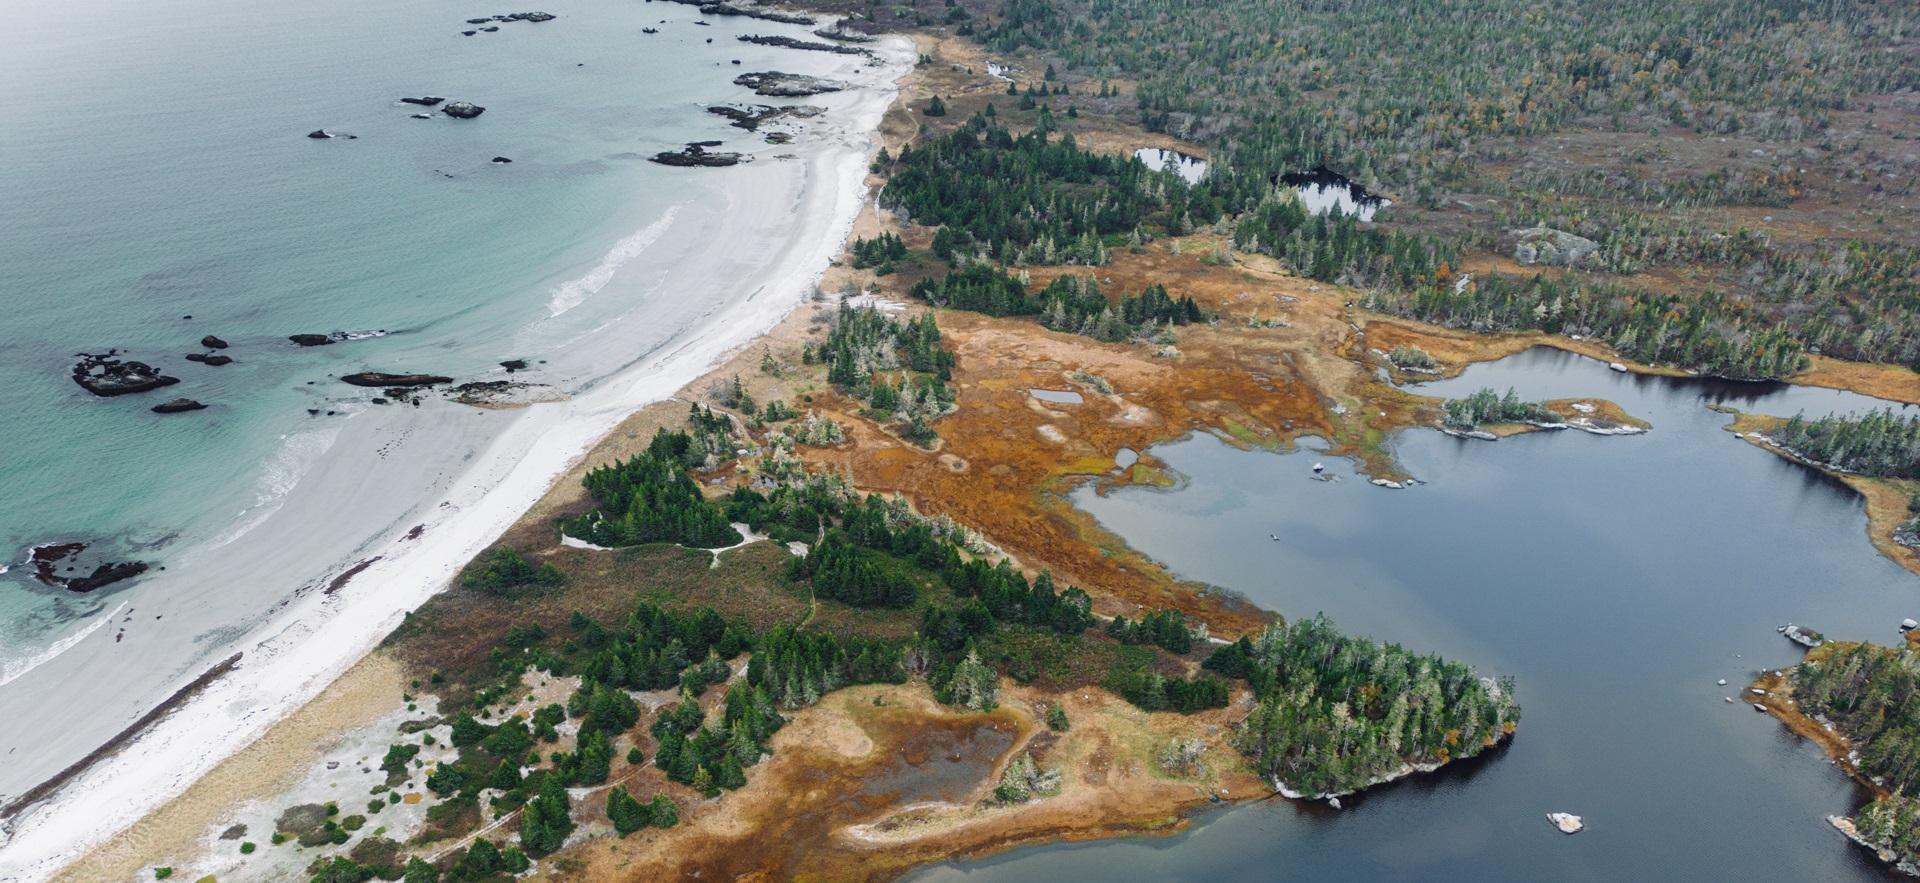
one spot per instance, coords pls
(751, 116)
(711, 8)
(808, 45)
(491, 23)
(105, 374)
(50, 560)
(835, 33)
(780, 84)
(504, 394)
(696, 154)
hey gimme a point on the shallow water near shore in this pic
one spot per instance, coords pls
(158, 167)
(1616, 577)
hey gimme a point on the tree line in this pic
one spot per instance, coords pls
(1879, 443)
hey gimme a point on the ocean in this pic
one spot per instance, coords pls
(156, 167)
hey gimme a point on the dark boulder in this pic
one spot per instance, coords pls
(424, 100)
(513, 365)
(381, 378)
(463, 110)
(213, 343)
(535, 17)
(216, 361)
(316, 339)
(104, 375)
(319, 134)
(501, 160)
(177, 406)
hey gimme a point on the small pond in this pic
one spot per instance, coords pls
(1323, 190)
(1190, 168)
(1056, 396)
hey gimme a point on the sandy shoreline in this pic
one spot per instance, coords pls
(320, 635)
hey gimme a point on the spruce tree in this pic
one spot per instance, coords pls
(663, 812)
(547, 821)
(731, 776)
(627, 814)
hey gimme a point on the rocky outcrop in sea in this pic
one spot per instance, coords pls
(50, 559)
(752, 116)
(780, 84)
(178, 406)
(761, 14)
(381, 378)
(808, 45)
(698, 155)
(463, 110)
(103, 374)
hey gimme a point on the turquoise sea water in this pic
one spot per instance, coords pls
(154, 164)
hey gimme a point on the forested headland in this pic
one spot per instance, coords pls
(1870, 695)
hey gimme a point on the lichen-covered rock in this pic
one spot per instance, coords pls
(1545, 245)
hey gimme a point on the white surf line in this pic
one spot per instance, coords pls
(16, 669)
(575, 292)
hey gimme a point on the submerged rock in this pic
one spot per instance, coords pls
(381, 378)
(463, 110)
(319, 134)
(317, 339)
(785, 85)
(213, 343)
(513, 365)
(424, 100)
(178, 406)
(104, 375)
(501, 160)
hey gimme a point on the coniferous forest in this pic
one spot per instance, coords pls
(1880, 443)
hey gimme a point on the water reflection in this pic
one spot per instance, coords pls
(1322, 190)
(1190, 168)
